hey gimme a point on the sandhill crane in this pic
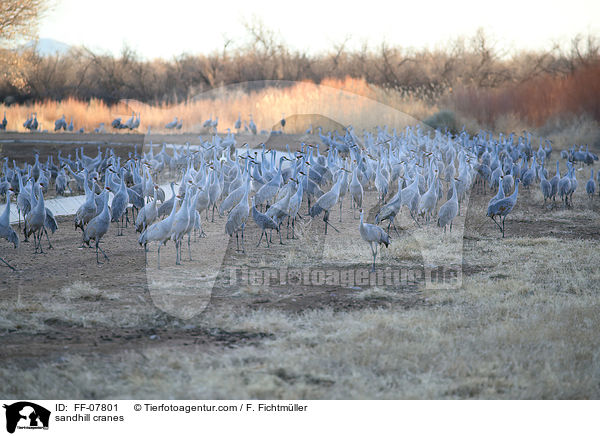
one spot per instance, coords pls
(61, 123)
(282, 121)
(159, 232)
(23, 199)
(428, 201)
(70, 127)
(147, 214)
(508, 182)
(87, 210)
(119, 205)
(207, 123)
(62, 182)
(238, 124)
(263, 222)
(214, 125)
(3, 123)
(6, 231)
(572, 186)
(311, 188)
(35, 220)
(327, 201)
(503, 207)
(252, 126)
(343, 189)
(136, 122)
(373, 235)
(180, 224)
(234, 197)
(449, 209)
(129, 123)
(499, 196)
(34, 123)
(195, 221)
(564, 186)
(294, 207)
(28, 121)
(236, 220)
(172, 124)
(179, 125)
(390, 210)
(214, 193)
(545, 187)
(98, 226)
(554, 182)
(381, 182)
(269, 190)
(280, 209)
(590, 186)
(116, 123)
(356, 191)
(411, 197)
(166, 207)
(529, 176)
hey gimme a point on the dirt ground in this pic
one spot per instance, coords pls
(61, 306)
(22, 146)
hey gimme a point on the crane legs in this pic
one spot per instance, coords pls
(501, 227)
(37, 241)
(7, 264)
(266, 238)
(47, 238)
(243, 250)
(326, 219)
(374, 253)
(103, 253)
(392, 223)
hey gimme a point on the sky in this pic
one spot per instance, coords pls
(169, 28)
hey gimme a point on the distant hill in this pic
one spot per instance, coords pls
(49, 46)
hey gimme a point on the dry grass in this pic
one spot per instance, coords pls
(523, 328)
(79, 304)
(349, 101)
(536, 100)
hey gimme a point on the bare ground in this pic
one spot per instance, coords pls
(522, 324)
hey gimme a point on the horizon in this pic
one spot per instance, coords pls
(157, 33)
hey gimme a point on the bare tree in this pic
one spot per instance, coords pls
(18, 22)
(19, 19)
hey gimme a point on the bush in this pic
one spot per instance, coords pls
(443, 120)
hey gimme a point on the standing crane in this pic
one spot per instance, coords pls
(6, 231)
(503, 207)
(373, 235)
(236, 220)
(263, 222)
(327, 201)
(98, 226)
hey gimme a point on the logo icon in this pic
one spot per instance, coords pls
(26, 415)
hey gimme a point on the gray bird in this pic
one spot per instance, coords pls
(374, 235)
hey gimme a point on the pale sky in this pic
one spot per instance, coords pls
(170, 27)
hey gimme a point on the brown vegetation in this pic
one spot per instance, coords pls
(470, 76)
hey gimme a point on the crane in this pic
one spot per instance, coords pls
(6, 231)
(374, 235)
(98, 226)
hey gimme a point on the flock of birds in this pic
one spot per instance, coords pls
(133, 123)
(430, 174)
